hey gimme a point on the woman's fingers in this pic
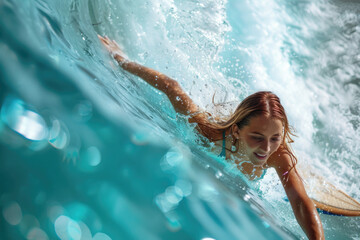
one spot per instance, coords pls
(116, 44)
(112, 46)
(101, 37)
(107, 41)
(104, 39)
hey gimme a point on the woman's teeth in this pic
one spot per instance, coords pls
(260, 155)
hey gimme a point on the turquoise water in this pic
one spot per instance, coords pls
(90, 152)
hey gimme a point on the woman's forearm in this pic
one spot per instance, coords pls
(309, 219)
(151, 76)
(303, 207)
(180, 100)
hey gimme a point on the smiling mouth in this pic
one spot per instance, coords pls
(260, 156)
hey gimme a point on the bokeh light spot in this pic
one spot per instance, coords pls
(67, 229)
(185, 186)
(89, 159)
(58, 135)
(12, 213)
(36, 234)
(101, 236)
(84, 110)
(54, 211)
(140, 138)
(18, 117)
(28, 222)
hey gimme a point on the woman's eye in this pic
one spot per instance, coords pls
(256, 138)
(275, 139)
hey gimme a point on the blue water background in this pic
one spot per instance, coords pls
(89, 151)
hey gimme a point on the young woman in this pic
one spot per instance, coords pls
(255, 137)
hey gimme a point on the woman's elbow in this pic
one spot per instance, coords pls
(171, 86)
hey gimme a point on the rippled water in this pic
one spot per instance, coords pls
(90, 152)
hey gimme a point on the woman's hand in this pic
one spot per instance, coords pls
(113, 49)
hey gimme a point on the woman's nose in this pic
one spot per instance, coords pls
(265, 146)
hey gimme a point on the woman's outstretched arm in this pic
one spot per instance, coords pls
(181, 102)
(303, 207)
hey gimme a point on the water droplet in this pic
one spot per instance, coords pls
(218, 174)
(266, 224)
(247, 197)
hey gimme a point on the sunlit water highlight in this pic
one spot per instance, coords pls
(90, 152)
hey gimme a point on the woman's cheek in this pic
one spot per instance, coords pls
(251, 143)
(275, 148)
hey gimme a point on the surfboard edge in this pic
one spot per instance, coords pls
(336, 210)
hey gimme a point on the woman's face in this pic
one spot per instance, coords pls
(260, 138)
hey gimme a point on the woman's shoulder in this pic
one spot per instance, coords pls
(206, 127)
(280, 158)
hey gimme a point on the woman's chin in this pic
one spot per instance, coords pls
(258, 162)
